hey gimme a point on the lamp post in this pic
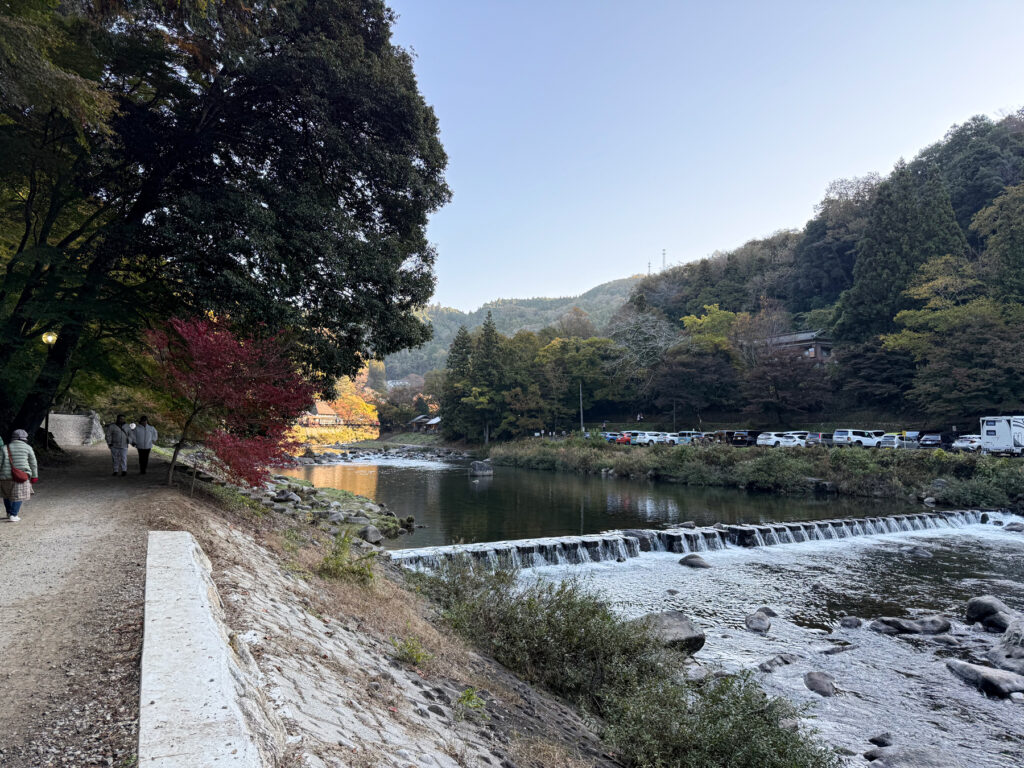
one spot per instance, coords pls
(49, 339)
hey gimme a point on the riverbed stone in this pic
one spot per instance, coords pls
(1014, 527)
(821, 683)
(480, 469)
(371, 534)
(758, 622)
(994, 682)
(781, 660)
(677, 630)
(850, 622)
(1009, 653)
(882, 740)
(928, 625)
(993, 614)
(767, 611)
(694, 561)
(357, 519)
(906, 757)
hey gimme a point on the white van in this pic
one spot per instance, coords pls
(1002, 434)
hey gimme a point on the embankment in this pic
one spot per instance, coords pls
(948, 478)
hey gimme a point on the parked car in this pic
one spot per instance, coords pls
(1003, 434)
(792, 440)
(745, 437)
(860, 438)
(647, 438)
(896, 440)
(626, 438)
(818, 438)
(802, 434)
(969, 443)
(769, 438)
(932, 440)
(611, 437)
(685, 437)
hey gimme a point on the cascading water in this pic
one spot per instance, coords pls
(623, 545)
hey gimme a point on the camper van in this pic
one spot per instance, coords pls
(1002, 434)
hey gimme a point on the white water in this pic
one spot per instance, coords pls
(895, 684)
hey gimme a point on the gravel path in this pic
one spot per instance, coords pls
(71, 598)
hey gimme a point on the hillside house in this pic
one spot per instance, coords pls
(320, 415)
(814, 345)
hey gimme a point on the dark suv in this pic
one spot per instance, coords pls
(745, 437)
(819, 438)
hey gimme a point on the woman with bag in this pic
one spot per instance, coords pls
(18, 473)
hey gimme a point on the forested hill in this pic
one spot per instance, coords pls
(510, 316)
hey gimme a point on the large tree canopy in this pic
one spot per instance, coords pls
(274, 164)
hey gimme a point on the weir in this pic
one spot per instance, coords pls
(622, 545)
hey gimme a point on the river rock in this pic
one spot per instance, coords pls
(758, 622)
(694, 561)
(688, 524)
(994, 682)
(1015, 527)
(993, 613)
(357, 520)
(767, 611)
(480, 469)
(1009, 654)
(906, 757)
(677, 630)
(882, 740)
(782, 660)
(371, 534)
(850, 622)
(822, 683)
(929, 625)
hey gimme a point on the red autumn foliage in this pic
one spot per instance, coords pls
(238, 394)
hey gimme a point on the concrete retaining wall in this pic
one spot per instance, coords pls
(199, 702)
(71, 429)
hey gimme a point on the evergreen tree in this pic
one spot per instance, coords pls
(456, 417)
(911, 221)
(1001, 228)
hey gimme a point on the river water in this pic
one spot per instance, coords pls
(523, 503)
(897, 684)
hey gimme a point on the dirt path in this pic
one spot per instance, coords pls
(71, 598)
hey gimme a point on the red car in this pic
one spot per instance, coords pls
(624, 438)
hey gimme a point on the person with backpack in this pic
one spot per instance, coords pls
(143, 437)
(19, 471)
(119, 437)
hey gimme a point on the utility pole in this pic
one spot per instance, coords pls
(581, 406)
(662, 259)
(648, 267)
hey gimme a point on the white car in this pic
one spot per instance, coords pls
(792, 440)
(681, 438)
(861, 438)
(770, 438)
(647, 438)
(970, 443)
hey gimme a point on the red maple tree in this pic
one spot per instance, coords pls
(238, 394)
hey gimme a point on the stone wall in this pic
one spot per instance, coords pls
(73, 429)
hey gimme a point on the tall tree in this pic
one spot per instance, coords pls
(1000, 227)
(274, 163)
(911, 221)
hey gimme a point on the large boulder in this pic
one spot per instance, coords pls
(371, 534)
(850, 622)
(992, 613)
(994, 682)
(782, 660)
(1014, 527)
(822, 683)
(677, 630)
(694, 561)
(929, 625)
(480, 469)
(758, 622)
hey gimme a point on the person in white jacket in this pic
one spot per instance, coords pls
(143, 437)
(119, 435)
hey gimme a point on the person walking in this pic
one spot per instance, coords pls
(119, 436)
(143, 437)
(19, 471)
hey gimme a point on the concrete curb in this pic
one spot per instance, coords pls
(193, 706)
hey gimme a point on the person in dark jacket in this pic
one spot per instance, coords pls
(18, 454)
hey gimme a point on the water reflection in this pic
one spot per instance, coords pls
(516, 504)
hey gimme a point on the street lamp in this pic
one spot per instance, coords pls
(49, 339)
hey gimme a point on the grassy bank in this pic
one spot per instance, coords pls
(952, 479)
(565, 639)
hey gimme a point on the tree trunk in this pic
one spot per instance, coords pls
(35, 405)
(174, 462)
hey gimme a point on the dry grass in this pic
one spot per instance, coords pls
(541, 753)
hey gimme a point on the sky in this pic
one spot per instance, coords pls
(584, 136)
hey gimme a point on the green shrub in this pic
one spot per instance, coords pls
(470, 704)
(570, 641)
(341, 563)
(774, 470)
(410, 650)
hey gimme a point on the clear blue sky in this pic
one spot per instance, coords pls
(586, 136)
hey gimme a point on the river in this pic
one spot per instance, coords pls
(524, 503)
(898, 684)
